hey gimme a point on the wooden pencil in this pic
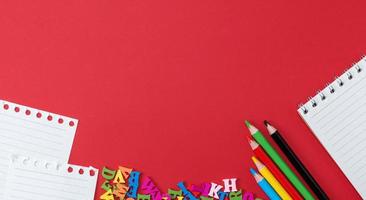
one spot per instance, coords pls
(264, 185)
(296, 162)
(259, 153)
(282, 165)
(271, 179)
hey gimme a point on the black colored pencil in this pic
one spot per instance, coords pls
(295, 161)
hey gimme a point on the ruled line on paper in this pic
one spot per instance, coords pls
(20, 125)
(30, 136)
(340, 148)
(343, 138)
(47, 181)
(4, 165)
(336, 134)
(20, 197)
(2, 157)
(29, 150)
(18, 190)
(347, 115)
(334, 116)
(34, 122)
(5, 151)
(48, 174)
(356, 170)
(37, 145)
(343, 151)
(353, 155)
(54, 189)
(362, 176)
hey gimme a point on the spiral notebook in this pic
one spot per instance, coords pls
(33, 132)
(31, 179)
(337, 117)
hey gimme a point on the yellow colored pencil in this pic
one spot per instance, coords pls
(271, 179)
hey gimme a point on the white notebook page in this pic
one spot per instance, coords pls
(31, 179)
(32, 132)
(338, 120)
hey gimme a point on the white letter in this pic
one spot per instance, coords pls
(214, 190)
(230, 185)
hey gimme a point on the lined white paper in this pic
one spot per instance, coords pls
(32, 132)
(339, 122)
(31, 179)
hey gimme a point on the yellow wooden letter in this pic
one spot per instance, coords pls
(118, 178)
(107, 195)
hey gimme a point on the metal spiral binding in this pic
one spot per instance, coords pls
(340, 81)
(331, 89)
(322, 95)
(313, 102)
(349, 75)
(303, 108)
(358, 68)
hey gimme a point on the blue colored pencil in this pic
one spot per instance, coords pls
(265, 186)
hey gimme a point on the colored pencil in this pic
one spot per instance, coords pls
(295, 161)
(258, 136)
(264, 185)
(259, 153)
(264, 171)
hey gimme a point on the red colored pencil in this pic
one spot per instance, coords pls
(262, 156)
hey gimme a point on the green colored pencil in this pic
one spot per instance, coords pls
(257, 135)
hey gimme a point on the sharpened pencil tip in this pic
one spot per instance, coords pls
(254, 159)
(252, 171)
(252, 129)
(266, 123)
(257, 163)
(247, 123)
(252, 143)
(269, 127)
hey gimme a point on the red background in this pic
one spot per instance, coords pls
(164, 86)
